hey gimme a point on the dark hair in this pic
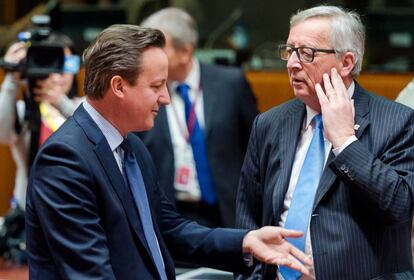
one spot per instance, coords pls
(64, 41)
(117, 51)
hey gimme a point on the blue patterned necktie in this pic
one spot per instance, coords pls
(303, 197)
(198, 146)
(135, 181)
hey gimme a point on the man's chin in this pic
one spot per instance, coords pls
(302, 92)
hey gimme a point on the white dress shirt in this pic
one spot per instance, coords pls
(189, 188)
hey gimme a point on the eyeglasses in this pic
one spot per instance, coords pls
(305, 54)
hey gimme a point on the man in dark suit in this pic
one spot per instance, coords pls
(359, 211)
(225, 109)
(94, 209)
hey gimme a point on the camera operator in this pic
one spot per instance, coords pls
(55, 98)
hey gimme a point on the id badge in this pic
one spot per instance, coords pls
(182, 176)
(185, 173)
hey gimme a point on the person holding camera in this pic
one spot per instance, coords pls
(27, 121)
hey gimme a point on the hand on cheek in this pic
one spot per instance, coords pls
(337, 109)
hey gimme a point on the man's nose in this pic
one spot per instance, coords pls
(294, 61)
(164, 98)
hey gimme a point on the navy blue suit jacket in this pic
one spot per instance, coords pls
(361, 221)
(82, 223)
(229, 111)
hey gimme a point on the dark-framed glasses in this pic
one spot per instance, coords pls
(305, 54)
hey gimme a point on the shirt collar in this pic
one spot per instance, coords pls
(111, 134)
(310, 113)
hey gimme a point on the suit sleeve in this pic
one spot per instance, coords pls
(383, 181)
(188, 241)
(61, 192)
(7, 109)
(250, 195)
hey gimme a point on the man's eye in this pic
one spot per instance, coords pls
(306, 52)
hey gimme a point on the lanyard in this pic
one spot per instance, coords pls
(187, 129)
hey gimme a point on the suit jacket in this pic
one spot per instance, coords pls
(361, 220)
(82, 223)
(229, 109)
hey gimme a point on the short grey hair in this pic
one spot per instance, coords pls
(347, 34)
(176, 23)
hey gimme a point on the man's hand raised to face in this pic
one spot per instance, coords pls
(337, 109)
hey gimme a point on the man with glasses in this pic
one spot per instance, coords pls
(335, 162)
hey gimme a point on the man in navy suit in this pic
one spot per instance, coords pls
(91, 215)
(225, 109)
(360, 214)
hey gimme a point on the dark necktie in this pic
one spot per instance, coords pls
(198, 146)
(136, 184)
(302, 201)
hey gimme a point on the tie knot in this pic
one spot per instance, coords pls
(318, 121)
(182, 89)
(126, 146)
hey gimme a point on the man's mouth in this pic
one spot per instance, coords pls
(296, 81)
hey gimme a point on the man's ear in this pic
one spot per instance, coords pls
(117, 86)
(186, 53)
(348, 62)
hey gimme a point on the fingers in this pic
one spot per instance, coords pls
(290, 233)
(334, 88)
(298, 254)
(15, 53)
(293, 263)
(321, 94)
(338, 85)
(353, 108)
(329, 89)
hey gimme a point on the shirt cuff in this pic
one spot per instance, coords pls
(248, 259)
(339, 150)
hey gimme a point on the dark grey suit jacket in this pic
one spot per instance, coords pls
(361, 221)
(229, 110)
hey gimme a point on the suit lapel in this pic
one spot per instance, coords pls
(361, 100)
(289, 136)
(107, 160)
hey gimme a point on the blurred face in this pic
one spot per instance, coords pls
(63, 80)
(143, 100)
(303, 77)
(179, 60)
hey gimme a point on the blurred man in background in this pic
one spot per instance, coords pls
(198, 142)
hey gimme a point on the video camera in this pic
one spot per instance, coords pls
(43, 57)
